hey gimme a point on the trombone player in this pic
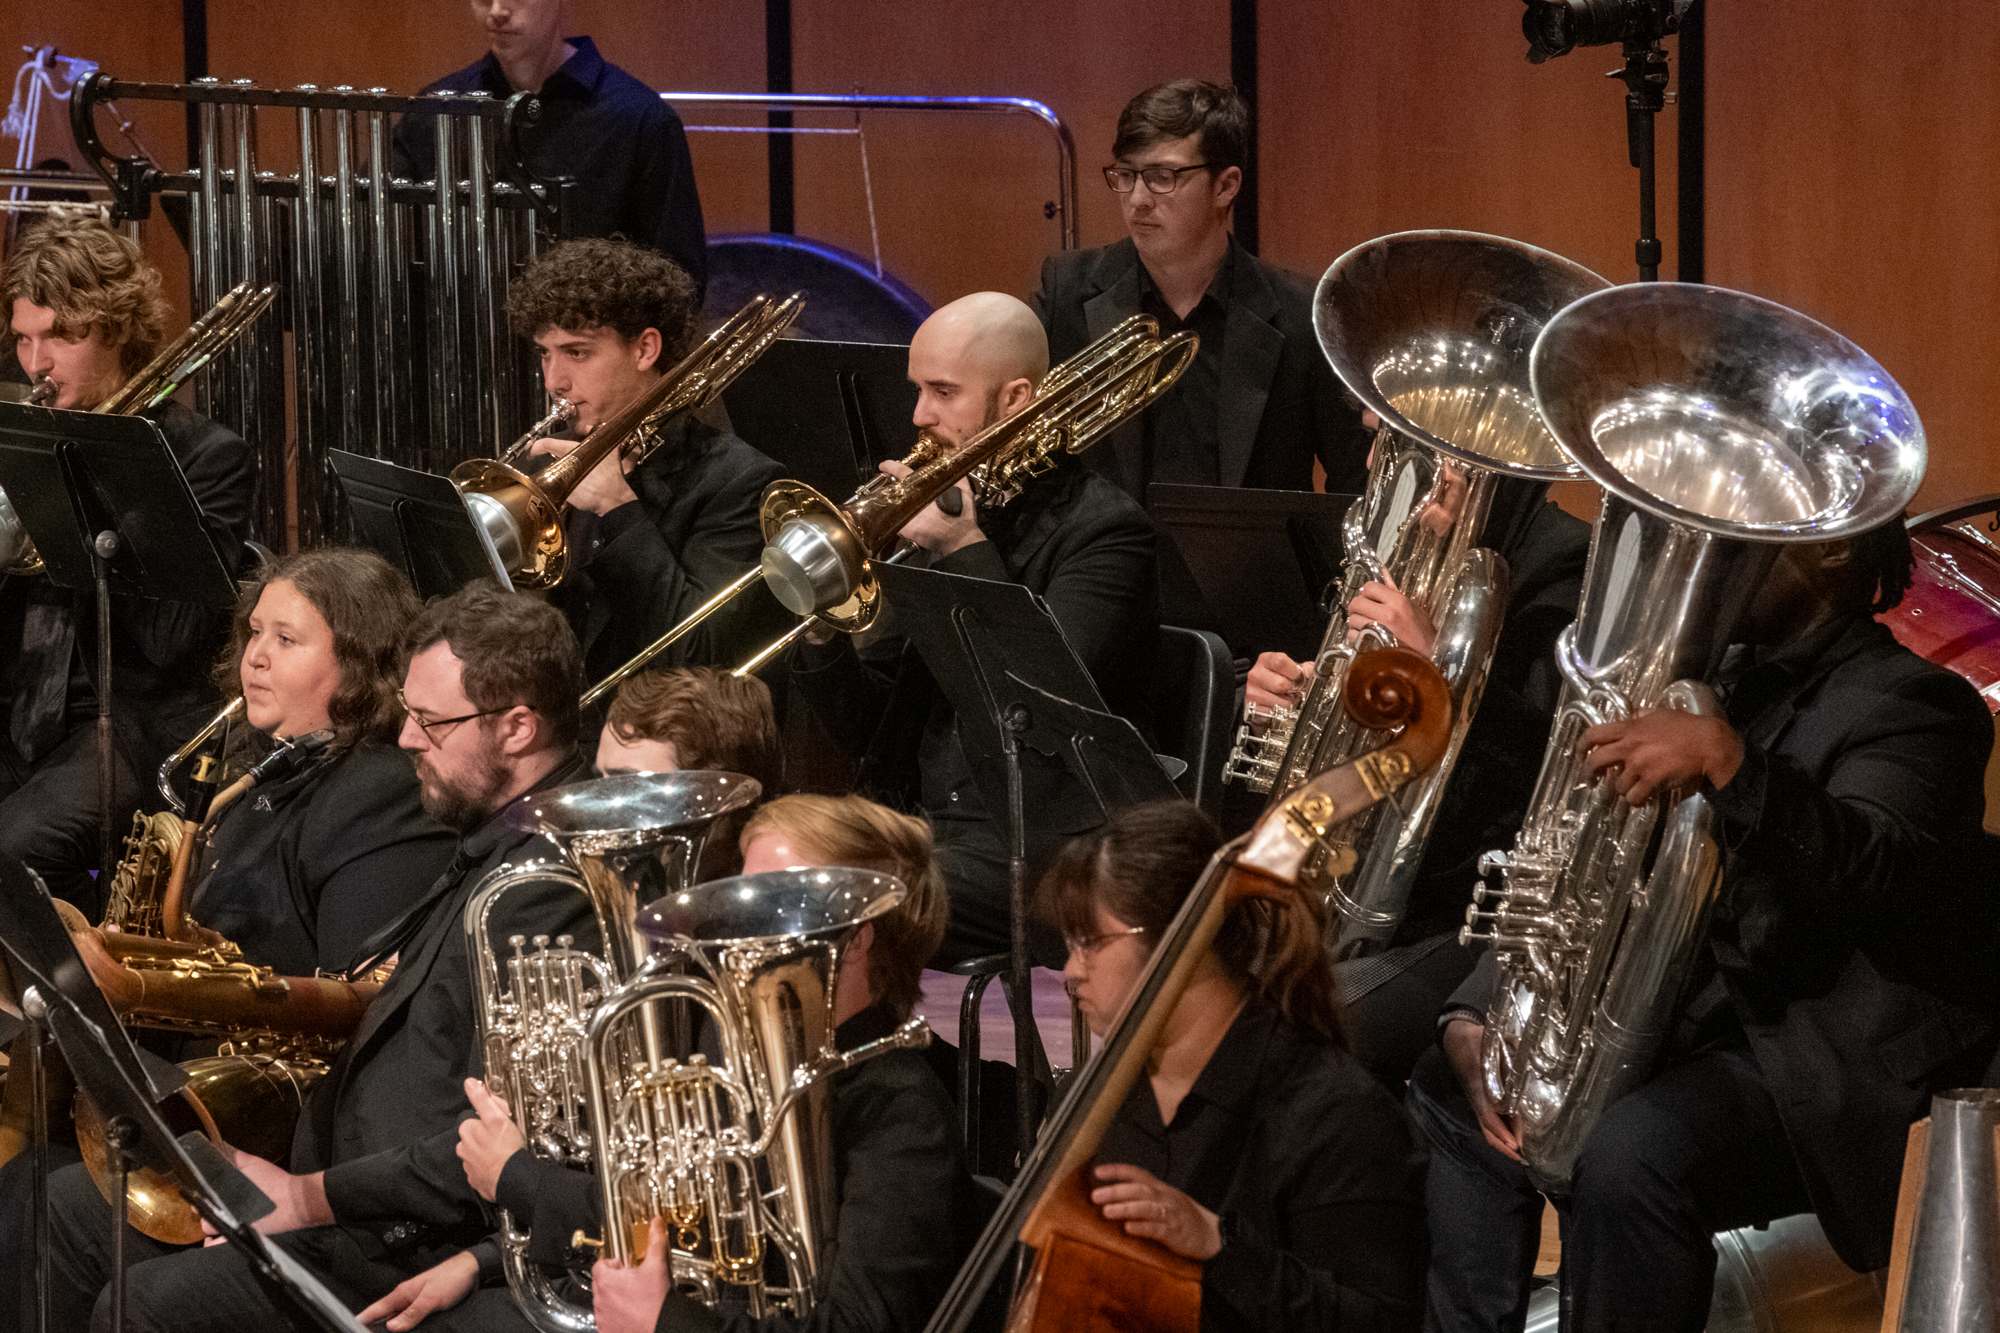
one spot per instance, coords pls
(1073, 538)
(87, 312)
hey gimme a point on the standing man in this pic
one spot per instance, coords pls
(623, 146)
(1260, 404)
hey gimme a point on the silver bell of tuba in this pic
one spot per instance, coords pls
(1721, 427)
(1431, 330)
(626, 841)
(735, 1154)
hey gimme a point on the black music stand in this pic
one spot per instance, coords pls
(1027, 709)
(826, 412)
(418, 522)
(61, 1000)
(1261, 561)
(109, 510)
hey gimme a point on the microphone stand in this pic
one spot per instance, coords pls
(1645, 80)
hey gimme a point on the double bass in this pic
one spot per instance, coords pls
(1088, 1274)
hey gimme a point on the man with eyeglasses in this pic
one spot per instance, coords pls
(374, 1192)
(1259, 405)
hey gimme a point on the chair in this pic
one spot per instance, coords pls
(1193, 699)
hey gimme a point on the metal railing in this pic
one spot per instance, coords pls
(393, 339)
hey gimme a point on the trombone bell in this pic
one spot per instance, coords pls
(520, 527)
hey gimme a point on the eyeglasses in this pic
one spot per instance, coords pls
(1159, 180)
(1088, 946)
(425, 724)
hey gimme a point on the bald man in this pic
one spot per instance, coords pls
(1072, 537)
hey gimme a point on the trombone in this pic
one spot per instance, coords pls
(519, 515)
(818, 556)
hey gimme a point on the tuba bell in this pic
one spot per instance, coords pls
(1721, 427)
(1432, 330)
(625, 840)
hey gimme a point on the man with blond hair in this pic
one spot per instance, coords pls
(1071, 537)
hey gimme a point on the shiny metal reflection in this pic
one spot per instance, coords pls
(774, 906)
(1728, 412)
(1953, 1282)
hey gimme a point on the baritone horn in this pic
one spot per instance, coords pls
(1432, 330)
(817, 554)
(1722, 428)
(519, 515)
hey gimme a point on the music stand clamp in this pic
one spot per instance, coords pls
(60, 995)
(111, 512)
(1017, 686)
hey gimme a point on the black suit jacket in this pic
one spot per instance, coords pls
(639, 570)
(1281, 406)
(383, 1125)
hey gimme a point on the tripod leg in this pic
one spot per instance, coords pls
(38, 1134)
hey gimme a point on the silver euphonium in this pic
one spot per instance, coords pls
(1721, 427)
(1431, 330)
(625, 841)
(735, 1154)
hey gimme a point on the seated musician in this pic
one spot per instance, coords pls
(1260, 405)
(648, 544)
(1390, 999)
(906, 1216)
(1844, 980)
(1257, 1145)
(696, 718)
(87, 313)
(1072, 537)
(374, 1191)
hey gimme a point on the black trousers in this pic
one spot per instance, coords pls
(200, 1289)
(49, 812)
(1698, 1150)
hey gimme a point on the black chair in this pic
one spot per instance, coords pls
(1194, 704)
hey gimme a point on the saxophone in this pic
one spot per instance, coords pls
(1721, 427)
(1432, 330)
(625, 840)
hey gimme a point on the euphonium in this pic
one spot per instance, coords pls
(152, 385)
(817, 554)
(625, 840)
(1432, 331)
(519, 515)
(735, 1155)
(1720, 426)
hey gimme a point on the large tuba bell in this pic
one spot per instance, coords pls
(1720, 426)
(519, 515)
(1432, 330)
(736, 1155)
(626, 840)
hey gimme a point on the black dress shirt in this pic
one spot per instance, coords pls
(1183, 430)
(622, 144)
(1315, 1170)
(301, 871)
(907, 1215)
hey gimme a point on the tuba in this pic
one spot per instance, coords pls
(1432, 330)
(1721, 427)
(626, 840)
(817, 554)
(519, 515)
(152, 385)
(737, 1155)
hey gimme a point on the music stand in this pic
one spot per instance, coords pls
(1025, 706)
(826, 412)
(1261, 561)
(60, 999)
(418, 522)
(109, 510)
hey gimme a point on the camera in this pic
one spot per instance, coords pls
(1554, 27)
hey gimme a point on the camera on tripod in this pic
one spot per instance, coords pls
(1555, 27)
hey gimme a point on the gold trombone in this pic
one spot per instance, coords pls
(520, 514)
(818, 556)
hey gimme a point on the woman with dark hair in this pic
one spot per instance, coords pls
(1256, 1145)
(307, 867)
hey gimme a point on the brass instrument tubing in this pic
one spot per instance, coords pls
(777, 645)
(181, 756)
(670, 638)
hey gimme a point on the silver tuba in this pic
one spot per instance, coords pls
(626, 841)
(1432, 330)
(1721, 427)
(736, 1155)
